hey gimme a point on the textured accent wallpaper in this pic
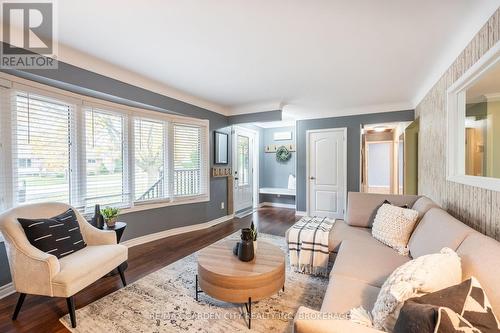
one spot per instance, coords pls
(477, 207)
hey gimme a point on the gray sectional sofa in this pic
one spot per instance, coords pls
(362, 263)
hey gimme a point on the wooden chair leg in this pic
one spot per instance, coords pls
(71, 309)
(19, 304)
(122, 275)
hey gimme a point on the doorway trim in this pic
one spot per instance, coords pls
(308, 162)
(255, 160)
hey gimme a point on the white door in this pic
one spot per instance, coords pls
(243, 143)
(326, 171)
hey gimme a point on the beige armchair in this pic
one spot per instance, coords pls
(39, 273)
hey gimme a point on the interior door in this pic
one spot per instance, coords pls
(327, 173)
(243, 169)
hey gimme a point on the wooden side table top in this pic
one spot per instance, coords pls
(223, 276)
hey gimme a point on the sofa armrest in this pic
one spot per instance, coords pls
(94, 236)
(310, 321)
(32, 270)
(362, 207)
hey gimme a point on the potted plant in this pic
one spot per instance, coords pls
(110, 215)
(254, 236)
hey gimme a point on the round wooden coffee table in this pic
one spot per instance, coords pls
(223, 276)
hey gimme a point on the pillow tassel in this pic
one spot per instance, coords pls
(361, 316)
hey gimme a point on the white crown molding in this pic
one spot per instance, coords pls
(492, 97)
(447, 60)
(86, 61)
(7, 290)
(175, 231)
(93, 64)
(295, 112)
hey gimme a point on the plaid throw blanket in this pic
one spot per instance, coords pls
(308, 245)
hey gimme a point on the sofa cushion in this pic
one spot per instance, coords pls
(81, 268)
(481, 258)
(368, 261)
(344, 293)
(342, 231)
(423, 205)
(436, 230)
(393, 226)
(362, 207)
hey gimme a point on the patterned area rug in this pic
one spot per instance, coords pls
(164, 302)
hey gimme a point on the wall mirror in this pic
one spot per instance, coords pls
(221, 148)
(474, 124)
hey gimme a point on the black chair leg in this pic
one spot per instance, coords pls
(71, 309)
(19, 304)
(122, 275)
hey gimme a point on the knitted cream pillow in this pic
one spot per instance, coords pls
(393, 226)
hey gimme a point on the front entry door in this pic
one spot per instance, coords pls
(243, 169)
(327, 172)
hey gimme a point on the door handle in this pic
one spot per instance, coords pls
(312, 178)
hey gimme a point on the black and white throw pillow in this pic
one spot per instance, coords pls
(59, 235)
(461, 308)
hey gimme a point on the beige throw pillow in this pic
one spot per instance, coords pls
(393, 226)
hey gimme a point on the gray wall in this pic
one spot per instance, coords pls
(353, 124)
(274, 173)
(4, 266)
(84, 82)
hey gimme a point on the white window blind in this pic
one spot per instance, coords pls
(188, 160)
(4, 143)
(55, 147)
(149, 167)
(105, 179)
(41, 135)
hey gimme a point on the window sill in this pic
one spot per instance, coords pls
(166, 203)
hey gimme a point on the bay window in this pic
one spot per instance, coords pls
(41, 133)
(149, 165)
(82, 152)
(104, 152)
(187, 160)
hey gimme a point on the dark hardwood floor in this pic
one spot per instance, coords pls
(41, 314)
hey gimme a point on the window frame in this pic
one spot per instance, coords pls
(77, 134)
(455, 112)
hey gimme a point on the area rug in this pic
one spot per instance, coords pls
(164, 301)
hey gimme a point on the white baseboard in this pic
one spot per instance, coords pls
(175, 231)
(7, 290)
(300, 213)
(276, 204)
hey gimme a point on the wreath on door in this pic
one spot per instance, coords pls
(283, 154)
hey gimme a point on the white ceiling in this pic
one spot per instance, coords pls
(317, 58)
